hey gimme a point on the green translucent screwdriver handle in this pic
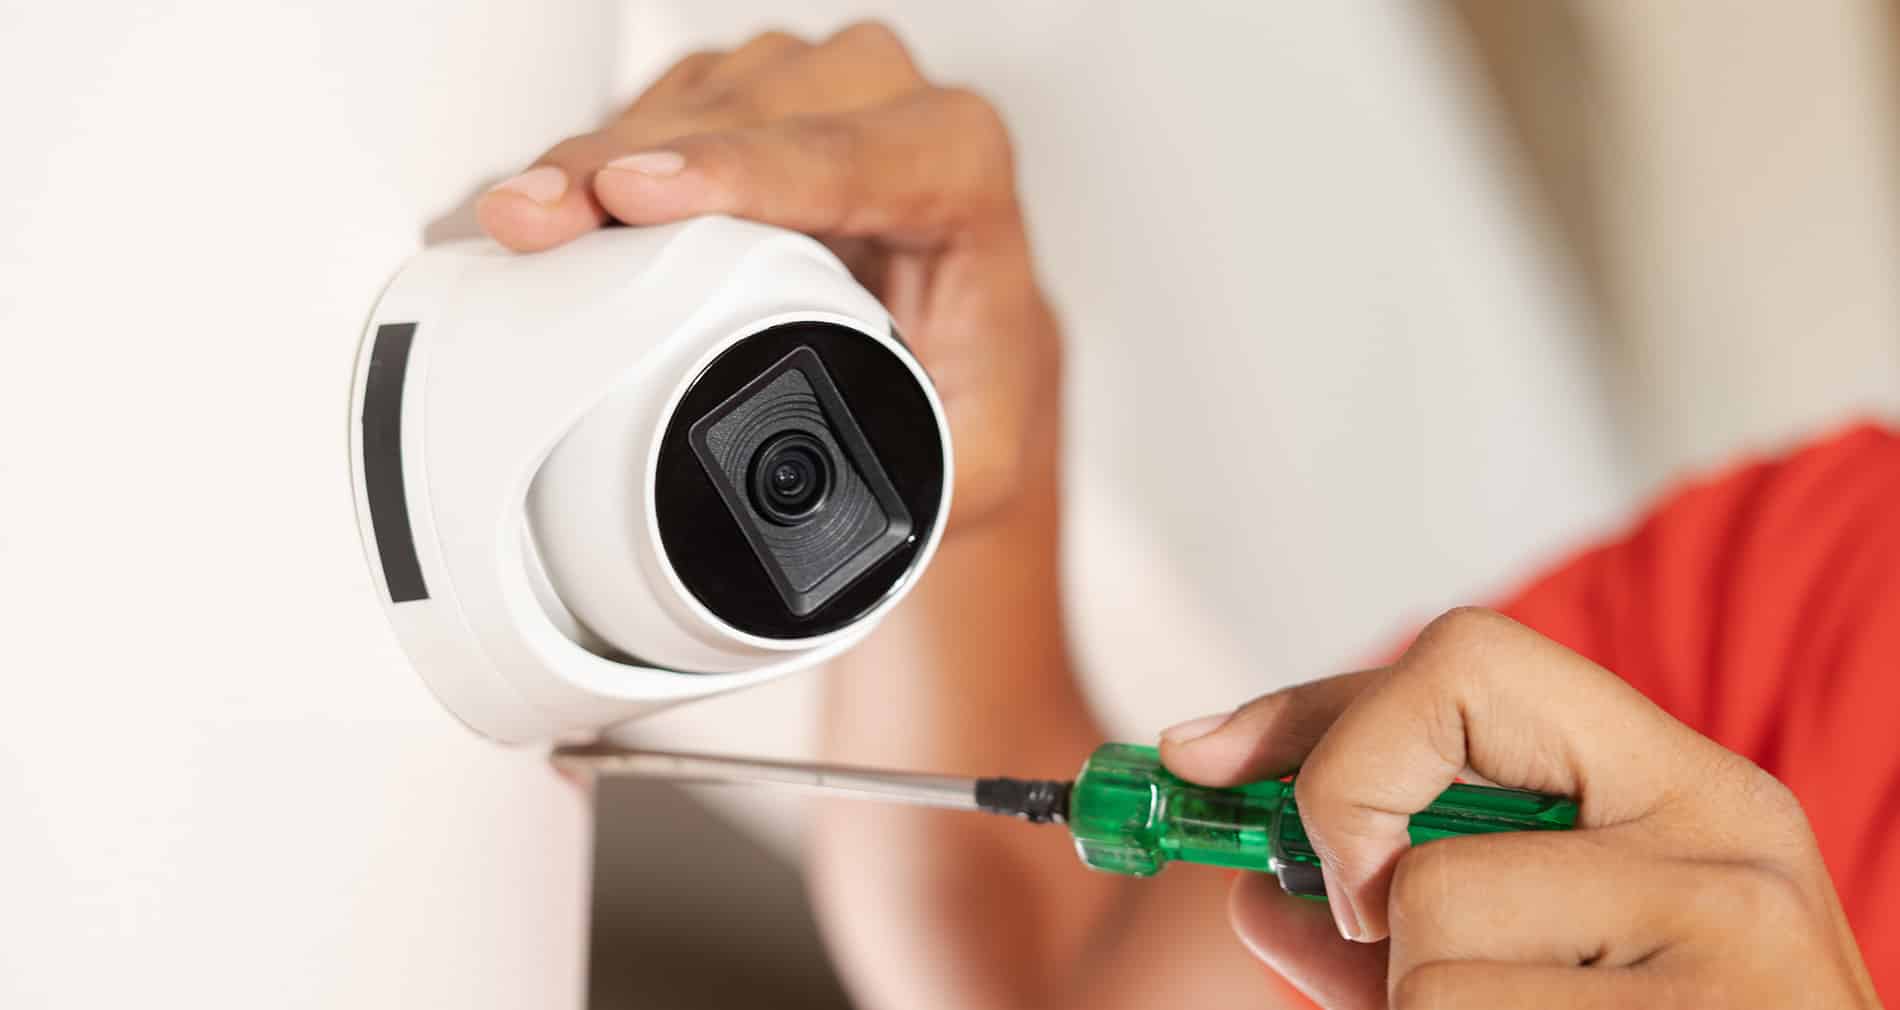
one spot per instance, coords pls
(1129, 815)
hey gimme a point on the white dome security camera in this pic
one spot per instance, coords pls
(650, 465)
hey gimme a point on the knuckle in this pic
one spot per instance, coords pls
(976, 121)
(971, 109)
(1313, 792)
(1771, 795)
(774, 38)
(873, 34)
(1451, 648)
(1460, 627)
(1753, 893)
(698, 59)
(1732, 782)
(1770, 895)
(680, 80)
(768, 46)
(1433, 984)
(876, 46)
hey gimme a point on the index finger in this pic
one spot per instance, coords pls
(1480, 690)
(910, 172)
(1263, 739)
(774, 76)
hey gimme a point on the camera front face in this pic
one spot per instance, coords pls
(798, 479)
(794, 470)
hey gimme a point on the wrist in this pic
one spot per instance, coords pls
(1008, 490)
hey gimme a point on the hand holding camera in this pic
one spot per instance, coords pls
(912, 184)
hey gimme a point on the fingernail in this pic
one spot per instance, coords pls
(544, 184)
(656, 163)
(1343, 915)
(1194, 729)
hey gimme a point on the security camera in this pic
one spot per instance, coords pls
(651, 465)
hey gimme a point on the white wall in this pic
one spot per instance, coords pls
(1325, 380)
(1273, 241)
(1328, 374)
(1748, 161)
(219, 779)
(220, 785)
(1325, 377)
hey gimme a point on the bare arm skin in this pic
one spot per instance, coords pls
(913, 185)
(930, 909)
(1695, 880)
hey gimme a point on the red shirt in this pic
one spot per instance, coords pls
(1762, 608)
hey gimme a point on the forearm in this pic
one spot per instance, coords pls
(951, 910)
(971, 676)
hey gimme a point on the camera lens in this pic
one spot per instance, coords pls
(790, 477)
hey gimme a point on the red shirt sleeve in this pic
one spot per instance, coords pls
(1763, 609)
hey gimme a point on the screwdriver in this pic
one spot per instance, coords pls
(1127, 814)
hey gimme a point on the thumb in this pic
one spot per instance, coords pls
(1480, 689)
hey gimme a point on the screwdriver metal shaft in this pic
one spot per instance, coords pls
(1125, 811)
(944, 791)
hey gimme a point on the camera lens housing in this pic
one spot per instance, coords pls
(796, 478)
(552, 549)
(791, 475)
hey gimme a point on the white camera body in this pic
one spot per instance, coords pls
(651, 465)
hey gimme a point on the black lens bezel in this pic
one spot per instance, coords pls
(712, 552)
(766, 498)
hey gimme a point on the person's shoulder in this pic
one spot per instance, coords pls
(1759, 545)
(1850, 477)
(1865, 434)
(1861, 442)
(1824, 545)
